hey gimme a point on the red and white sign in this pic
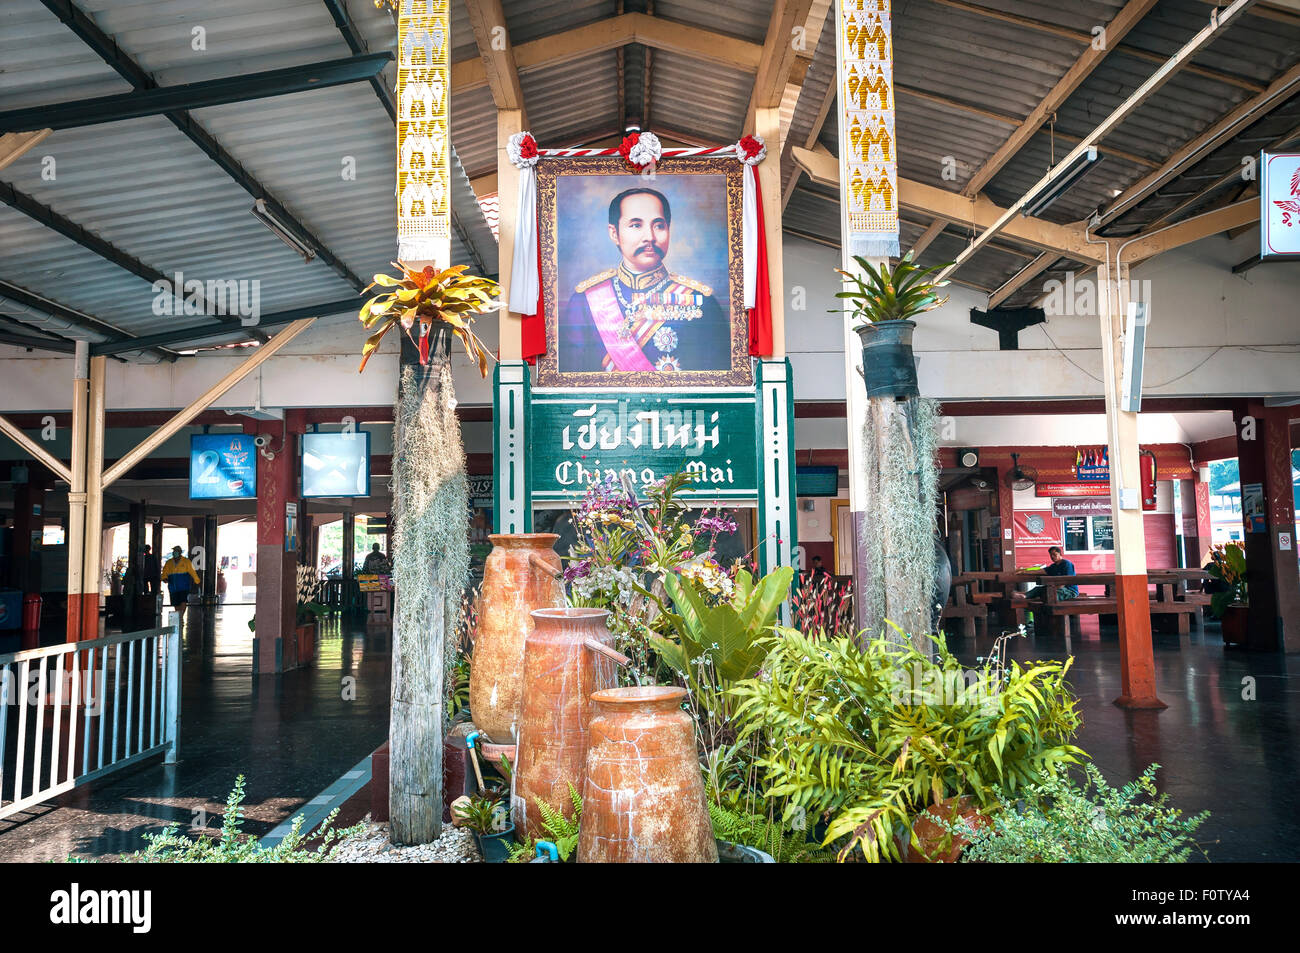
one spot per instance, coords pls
(1038, 528)
(1279, 211)
(1072, 489)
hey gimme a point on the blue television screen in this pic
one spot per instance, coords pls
(223, 467)
(336, 464)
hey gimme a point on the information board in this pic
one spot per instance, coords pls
(578, 438)
(223, 467)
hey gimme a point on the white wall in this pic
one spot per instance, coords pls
(1204, 320)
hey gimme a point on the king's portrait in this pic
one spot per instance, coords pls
(641, 276)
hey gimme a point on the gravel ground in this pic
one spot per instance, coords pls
(371, 846)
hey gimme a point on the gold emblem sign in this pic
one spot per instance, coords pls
(868, 150)
(423, 131)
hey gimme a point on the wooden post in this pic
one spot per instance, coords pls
(509, 122)
(1136, 655)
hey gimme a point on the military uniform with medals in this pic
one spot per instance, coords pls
(620, 320)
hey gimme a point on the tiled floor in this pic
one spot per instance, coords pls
(291, 737)
(1219, 750)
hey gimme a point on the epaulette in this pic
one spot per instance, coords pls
(595, 279)
(691, 283)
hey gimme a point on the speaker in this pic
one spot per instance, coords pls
(968, 457)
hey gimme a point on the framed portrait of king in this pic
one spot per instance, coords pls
(642, 275)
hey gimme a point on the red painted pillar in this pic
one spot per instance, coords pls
(276, 565)
(1264, 462)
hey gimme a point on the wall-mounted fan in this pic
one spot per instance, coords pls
(1018, 477)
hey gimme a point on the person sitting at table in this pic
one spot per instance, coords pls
(1060, 567)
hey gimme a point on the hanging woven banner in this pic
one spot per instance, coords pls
(423, 146)
(868, 148)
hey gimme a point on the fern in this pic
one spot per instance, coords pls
(561, 831)
(768, 835)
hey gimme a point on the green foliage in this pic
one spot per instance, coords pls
(484, 814)
(234, 847)
(869, 737)
(896, 294)
(458, 685)
(1228, 566)
(719, 644)
(1064, 822)
(560, 830)
(767, 834)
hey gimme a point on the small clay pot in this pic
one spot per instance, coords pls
(643, 795)
(522, 573)
(937, 845)
(563, 666)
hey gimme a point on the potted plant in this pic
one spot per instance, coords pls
(1230, 600)
(488, 819)
(885, 302)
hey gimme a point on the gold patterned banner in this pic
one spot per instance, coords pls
(868, 148)
(423, 132)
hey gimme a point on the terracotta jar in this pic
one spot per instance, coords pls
(643, 795)
(937, 845)
(522, 573)
(568, 655)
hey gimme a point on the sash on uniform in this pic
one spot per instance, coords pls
(608, 317)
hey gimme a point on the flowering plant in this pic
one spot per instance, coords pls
(626, 547)
(751, 150)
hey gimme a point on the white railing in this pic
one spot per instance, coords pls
(99, 705)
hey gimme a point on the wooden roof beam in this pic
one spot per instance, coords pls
(1088, 60)
(1022, 277)
(488, 21)
(581, 42)
(773, 72)
(1066, 240)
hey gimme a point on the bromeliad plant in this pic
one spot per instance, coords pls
(871, 737)
(435, 300)
(897, 294)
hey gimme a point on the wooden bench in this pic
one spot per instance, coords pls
(962, 604)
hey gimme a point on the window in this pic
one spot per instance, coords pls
(1089, 534)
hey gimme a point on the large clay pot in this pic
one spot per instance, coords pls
(522, 573)
(643, 795)
(568, 656)
(1235, 623)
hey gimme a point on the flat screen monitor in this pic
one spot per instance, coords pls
(223, 466)
(817, 481)
(336, 464)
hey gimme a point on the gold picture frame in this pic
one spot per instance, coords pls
(549, 374)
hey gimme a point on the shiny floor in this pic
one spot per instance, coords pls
(290, 736)
(1229, 742)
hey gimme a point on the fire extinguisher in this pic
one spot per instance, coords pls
(1148, 468)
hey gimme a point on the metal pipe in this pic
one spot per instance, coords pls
(205, 400)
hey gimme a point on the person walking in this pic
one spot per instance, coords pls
(178, 572)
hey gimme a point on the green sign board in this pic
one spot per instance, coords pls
(578, 437)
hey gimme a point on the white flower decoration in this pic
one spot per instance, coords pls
(514, 149)
(646, 151)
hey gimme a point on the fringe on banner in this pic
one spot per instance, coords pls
(874, 245)
(420, 249)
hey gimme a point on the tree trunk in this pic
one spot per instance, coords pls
(430, 563)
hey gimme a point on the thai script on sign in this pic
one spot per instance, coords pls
(693, 431)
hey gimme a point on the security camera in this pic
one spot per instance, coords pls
(261, 440)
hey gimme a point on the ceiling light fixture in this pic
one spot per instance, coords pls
(1053, 190)
(282, 231)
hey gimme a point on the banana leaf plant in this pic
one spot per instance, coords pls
(433, 300)
(897, 294)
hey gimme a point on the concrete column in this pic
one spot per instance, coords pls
(25, 571)
(1137, 658)
(1264, 459)
(211, 563)
(276, 487)
(77, 490)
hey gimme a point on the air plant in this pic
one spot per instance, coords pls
(897, 294)
(446, 300)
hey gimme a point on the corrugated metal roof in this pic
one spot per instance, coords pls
(327, 155)
(706, 99)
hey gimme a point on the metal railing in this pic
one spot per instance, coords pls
(102, 704)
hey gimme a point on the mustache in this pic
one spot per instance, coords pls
(650, 246)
